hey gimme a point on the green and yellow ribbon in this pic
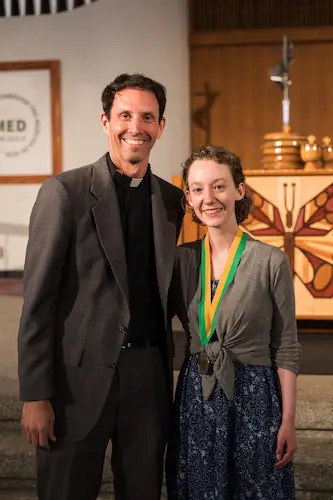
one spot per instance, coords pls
(207, 307)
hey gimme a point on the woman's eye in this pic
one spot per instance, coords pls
(219, 187)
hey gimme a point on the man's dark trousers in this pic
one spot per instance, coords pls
(137, 428)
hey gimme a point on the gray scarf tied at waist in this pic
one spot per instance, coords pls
(223, 371)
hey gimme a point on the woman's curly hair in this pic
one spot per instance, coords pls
(223, 156)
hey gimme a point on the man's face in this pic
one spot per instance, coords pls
(132, 129)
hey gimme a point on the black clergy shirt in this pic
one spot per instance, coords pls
(136, 216)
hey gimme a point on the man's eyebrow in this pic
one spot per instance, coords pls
(142, 113)
(148, 113)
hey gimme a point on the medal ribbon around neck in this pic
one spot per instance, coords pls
(207, 307)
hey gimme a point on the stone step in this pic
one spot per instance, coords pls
(15, 494)
(26, 490)
(30, 494)
(313, 462)
(312, 495)
(314, 401)
(17, 457)
(10, 406)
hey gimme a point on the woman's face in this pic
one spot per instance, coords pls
(212, 193)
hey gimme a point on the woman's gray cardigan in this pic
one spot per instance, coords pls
(255, 322)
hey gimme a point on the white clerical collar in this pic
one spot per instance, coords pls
(135, 182)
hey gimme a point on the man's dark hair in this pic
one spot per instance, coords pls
(135, 81)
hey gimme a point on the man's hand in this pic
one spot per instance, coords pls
(38, 423)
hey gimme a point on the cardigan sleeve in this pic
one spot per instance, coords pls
(285, 348)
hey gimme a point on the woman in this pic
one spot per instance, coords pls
(234, 429)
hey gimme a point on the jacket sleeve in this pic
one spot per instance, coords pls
(177, 298)
(184, 283)
(285, 349)
(49, 235)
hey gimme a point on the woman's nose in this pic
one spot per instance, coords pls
(209, 196)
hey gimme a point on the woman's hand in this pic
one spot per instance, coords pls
(286, 439)
(286, 443)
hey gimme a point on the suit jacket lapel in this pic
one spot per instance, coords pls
(108, 223)
(164, 242)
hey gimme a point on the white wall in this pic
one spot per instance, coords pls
(95, 44)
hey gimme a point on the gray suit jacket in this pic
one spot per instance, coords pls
(76, 311)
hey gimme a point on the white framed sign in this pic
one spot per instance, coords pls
(30, 121)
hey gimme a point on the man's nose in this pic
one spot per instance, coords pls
(134, 126)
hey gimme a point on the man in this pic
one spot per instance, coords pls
(95, 345)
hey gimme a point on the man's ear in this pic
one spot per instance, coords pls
(105, 123)
(161, 127)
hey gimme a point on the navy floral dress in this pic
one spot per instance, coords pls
(225, 450)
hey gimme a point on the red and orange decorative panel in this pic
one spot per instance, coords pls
(296, 215)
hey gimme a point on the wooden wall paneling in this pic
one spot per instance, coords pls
(260, 36)
(312, 96)
(248, 104)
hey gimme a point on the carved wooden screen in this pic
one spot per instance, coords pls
(217, 15)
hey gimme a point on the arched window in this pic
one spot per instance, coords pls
(10, 8)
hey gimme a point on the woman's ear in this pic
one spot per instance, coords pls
(188, 198)
(240, 191)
